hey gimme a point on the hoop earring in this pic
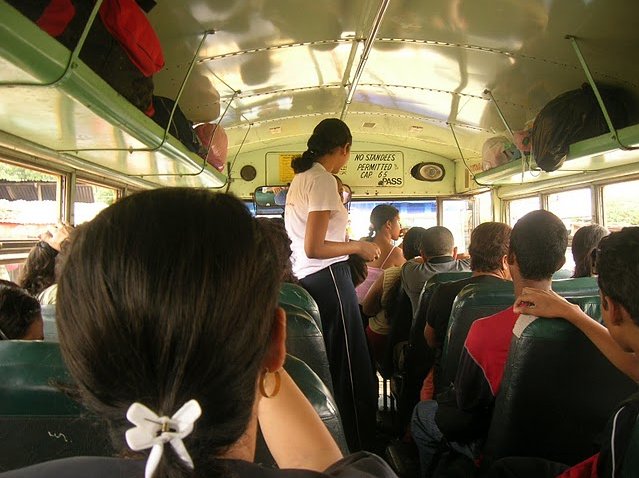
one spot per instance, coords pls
(276, 388)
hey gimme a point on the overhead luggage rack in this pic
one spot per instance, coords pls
(81, 117)
(594, 154)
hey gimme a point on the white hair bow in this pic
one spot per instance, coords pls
(153, 431)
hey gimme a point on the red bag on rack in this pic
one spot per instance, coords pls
(126, 21)
(214, 135)
(121, 46)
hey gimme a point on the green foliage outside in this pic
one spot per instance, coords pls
(622, 212)
(104, 195)
(16, 173)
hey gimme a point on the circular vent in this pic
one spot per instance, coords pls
(428, 172)
(248, 173)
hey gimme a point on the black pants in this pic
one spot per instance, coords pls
(524, 467)
(354, 381)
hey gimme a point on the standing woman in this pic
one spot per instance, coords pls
(385, 228)
(316, 222)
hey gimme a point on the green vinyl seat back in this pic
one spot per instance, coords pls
(562, 274)
(419, 320)
(304, 340)
(294, 296)
(583, 291)
(557, 394)
(418, 357)
(482, 300)
(48, 319)
(473, 302)
(37, 421)
(321, 399)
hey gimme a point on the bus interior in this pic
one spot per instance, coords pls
(426, 86)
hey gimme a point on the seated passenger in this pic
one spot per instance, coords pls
(537, 249)
(439, 253)
(38, 271)
(380, 300)
(488, 251)
(193, 370)
(20, 317)
(617, 266)
(583, 242)
(274, 228)
(385, 228)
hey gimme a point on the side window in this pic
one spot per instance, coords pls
(483, 207)
(412, 213)
(29, 202)
(90, 199)
(574, 208)
(457, 215)
(621, 205)
(29, 205)
(518, 208)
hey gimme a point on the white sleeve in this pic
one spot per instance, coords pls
(323, 195)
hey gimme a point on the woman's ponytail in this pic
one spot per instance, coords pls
(327, 135)
(304, 162)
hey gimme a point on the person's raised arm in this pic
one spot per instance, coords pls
(317, 247)
(372, 303)
(551, 305)
(294, 433)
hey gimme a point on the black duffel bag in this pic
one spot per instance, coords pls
(570, 117)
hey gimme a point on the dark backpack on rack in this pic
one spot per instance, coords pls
(181, 128)
(570, 117)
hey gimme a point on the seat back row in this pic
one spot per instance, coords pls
(38, 422)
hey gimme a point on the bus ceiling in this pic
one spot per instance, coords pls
(418, 82)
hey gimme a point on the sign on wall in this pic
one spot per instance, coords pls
(286, 171)
(375, 169)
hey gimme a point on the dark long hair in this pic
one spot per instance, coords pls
(152, 307)
(380, 215)
(38, 271)
(18, 310)
(583, 242)
(329, 134)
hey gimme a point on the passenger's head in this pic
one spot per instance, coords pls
(385, 216)
(437, 241)
(412, 242)
(538, 245)
(274, 229)
(38, 271)
(329, 135)
(617, 265)
(171, 295)
(583, 242)
(489, 246)
(20, 316)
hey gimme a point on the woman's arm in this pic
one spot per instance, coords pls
(317, 247)
(372, 303)
(548, 304)
(294, 433)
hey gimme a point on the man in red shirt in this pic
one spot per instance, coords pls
(617, 263)
(462, 414)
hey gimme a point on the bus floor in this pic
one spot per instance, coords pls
(391, 442)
